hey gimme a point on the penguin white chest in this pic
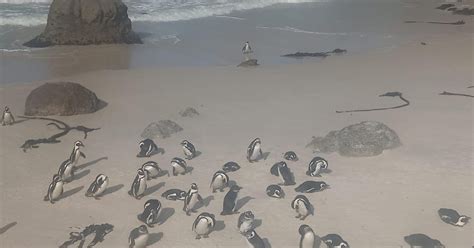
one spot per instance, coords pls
(246, 226)
(218, 182)
(68, 171)
(57, 191)
(256, 152)
(187, 152)
(302, 209)
(193, 201)
(202, 227)
(7, 119)
(140, 241)
(178, 168)
(308, 240)
(141, 187)
(77, 155)
(102, 187)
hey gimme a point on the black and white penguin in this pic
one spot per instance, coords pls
(423, 241)
(452, 217)
(139, 185)
(275, 191)
(220, 180)
(151, 169)
(308, 237)
(290, 156)
(203, 225)
(302, 206)
(254, 240)
(66, 170)
(188, 149)
(147, 148)
(334, 241)
(55, 189)
(229, 200)
(316, 166)
(76, 153)
(150, 212)
(138, 237)
(174, 194)
(254, 151)
(230, 167)
(192, 198)
(98, 186)
(7, 117)
(311, 186)
(246, 49)
(281, 170)
(246, 222)
(179, 166)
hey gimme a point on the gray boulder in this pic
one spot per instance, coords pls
(365, 139)
(62, 98)
(162, 129)
(189, 112)
(85, 22)
(249, 63)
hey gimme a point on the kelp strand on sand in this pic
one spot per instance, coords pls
(433, 22)
(391, 94)
(33, 143)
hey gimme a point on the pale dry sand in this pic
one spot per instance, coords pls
(373, 201)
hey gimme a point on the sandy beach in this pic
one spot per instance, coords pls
(372, 202)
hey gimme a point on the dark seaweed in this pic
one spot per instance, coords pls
(391, 94)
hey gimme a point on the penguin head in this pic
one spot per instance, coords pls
(78, 143)
(344, 244)
(304, 229)
(250, 234)
(7, 109)
(141, 173)
(463, 220)
(283, 164)
(142, 229)
(324, 185)
(257, 141)
(56, 178)
(235, 188)
(249, 215)
(184, 142)
(194, 186)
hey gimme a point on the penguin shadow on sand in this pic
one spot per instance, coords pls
(165, 214)
(265, 155)
(257, 223)
(70, 192)
(205, 202)
(7, 227)
(153, 238)
(241, 202)
(266, 242)
(189, 170)
(197, 154)
(154, 188)
(93, 162)
(220, 225)
(80, 175)
(112, 189)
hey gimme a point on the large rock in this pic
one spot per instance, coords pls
(364, 139)
(62, 98)
(162, 129)
(85, 22)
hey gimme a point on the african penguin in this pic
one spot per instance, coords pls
(151, 169)
(219, 181)
(174, 194)
(179, 166)
(76, 153)
(192, 198)
(203, 225)
(302, 206)
(254, 151)
(229, 200)
(139, 186)
(316, 166)
(290, 156)
(230, 167)
(311, 186)
(308, 237)
(66, 170)
(254, 240)
(147, 148)
(138, 237)
(98, 187)
(275, 191)
(281, 169)
(246, 222)
(188, 149)
(55, 189)
(421, 240)
(452, 217)
(7, 117)
(150, 212)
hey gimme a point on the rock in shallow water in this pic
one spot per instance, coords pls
(248, 63)
(162, 129)
(365, 139)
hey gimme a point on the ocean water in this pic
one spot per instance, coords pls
(212, 32)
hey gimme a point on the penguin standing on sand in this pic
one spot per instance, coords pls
(254, 151)
(66, 170)
(138, 237)
(179, 166)
(139, 185)
(452, 217)
(281, 170)
(188, 149)
(421, 240)
(192, 198)
(220, 180)
(290, 156)
(316, 166)
(247, 50)
(7, 117)
(55, 189)
(98, 187)
(275, 191)
(147, 148)
(76, 153)
(308, 237)
(245, 222)
(254, 240)
(302, 206)
(334, 241)
(203, 225)
(150, 213)
(229, 200)
(151, 169)
(311, 186)
(174, 194)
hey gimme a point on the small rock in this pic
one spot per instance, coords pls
(248, 63)
(189, 112)
(163, 129)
